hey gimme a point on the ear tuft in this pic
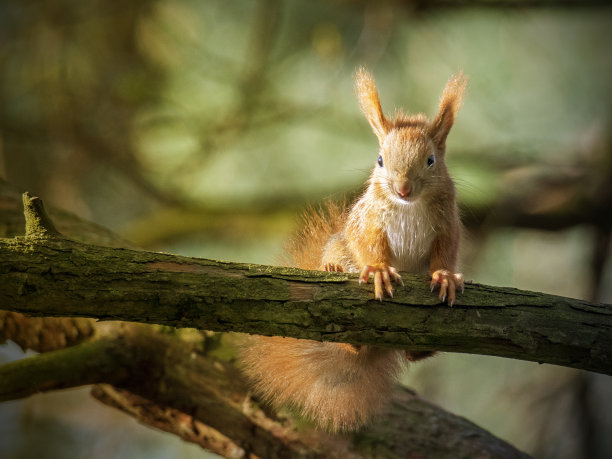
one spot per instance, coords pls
(450, 103)
(370, 103)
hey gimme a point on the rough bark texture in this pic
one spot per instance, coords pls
(44, 334)
(53, 276)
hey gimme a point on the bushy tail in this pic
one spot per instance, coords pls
(337, 385)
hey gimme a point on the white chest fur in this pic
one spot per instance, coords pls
(410, 236)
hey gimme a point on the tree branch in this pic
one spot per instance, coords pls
(197, 398)
(44, 334)
(38, 223)
(90, 362)
(168, 419)
(58, 277)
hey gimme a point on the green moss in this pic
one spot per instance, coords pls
(37, 222)
(21, 244)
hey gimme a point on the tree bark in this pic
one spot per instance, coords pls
(53, 276)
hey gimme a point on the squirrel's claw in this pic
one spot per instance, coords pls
(449, 283)
(383, 275)
(378, 284)
(332, 267)
(395, 275)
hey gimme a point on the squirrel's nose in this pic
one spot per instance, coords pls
(403, 189)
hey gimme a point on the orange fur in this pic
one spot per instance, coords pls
(339, 387)
(407, 220)
(370, 103)
(304, 249)
(450, 103)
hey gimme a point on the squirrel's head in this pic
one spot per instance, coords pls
(412, 148)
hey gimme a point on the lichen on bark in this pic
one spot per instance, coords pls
(37, 222)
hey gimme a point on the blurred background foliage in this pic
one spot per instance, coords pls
(203, 127)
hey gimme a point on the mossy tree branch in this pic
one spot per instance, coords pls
(59, 277)
(90, 362)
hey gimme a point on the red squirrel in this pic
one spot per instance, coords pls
(406, 220)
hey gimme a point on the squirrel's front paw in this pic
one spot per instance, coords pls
(449, 282)
(382, 277)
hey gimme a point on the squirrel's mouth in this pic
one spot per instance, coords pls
(409, 199)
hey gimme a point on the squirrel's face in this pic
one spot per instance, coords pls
(408, 165)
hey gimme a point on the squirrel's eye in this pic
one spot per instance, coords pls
(380, 162)
(431, 160)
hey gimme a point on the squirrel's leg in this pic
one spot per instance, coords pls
(414, 356)
(442, 268)
(336, 256)
(370, 248)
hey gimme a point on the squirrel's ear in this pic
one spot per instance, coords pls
(370, 103)
(450, 102)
